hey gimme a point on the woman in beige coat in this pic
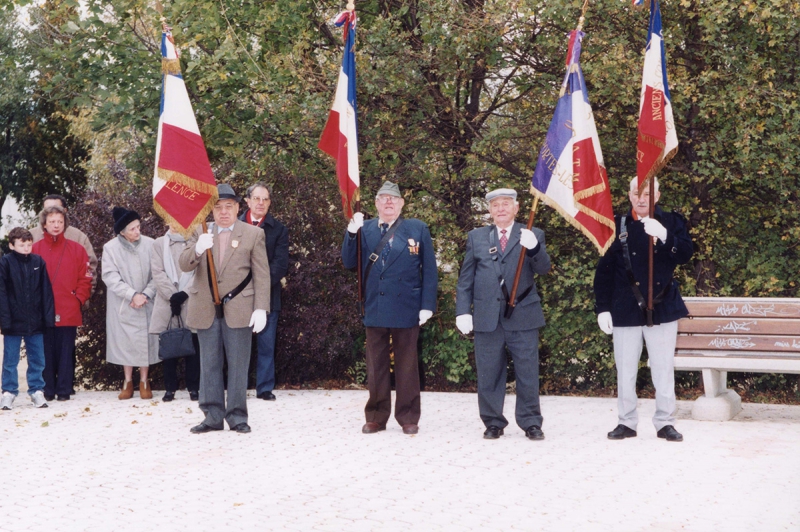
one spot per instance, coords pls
(130, 291)
(171, 285)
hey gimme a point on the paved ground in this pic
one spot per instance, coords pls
(97, 463)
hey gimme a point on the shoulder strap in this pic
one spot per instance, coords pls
(626, 254)
(376, 252)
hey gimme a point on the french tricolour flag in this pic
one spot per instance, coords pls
(570, 175)
(657, 141)
(340, 137)
(184, 188)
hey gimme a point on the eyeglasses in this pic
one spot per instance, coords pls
(387, 199)
(260, 200)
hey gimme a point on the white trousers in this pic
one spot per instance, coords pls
(628, 342)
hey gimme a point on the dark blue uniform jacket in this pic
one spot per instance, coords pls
(612, 289)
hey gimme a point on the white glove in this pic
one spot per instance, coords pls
(654, 228)
(464, 323)
(258, 320)
(204, 242)
(356, 222)
(424, 315)
(605, 322)
(527, 239)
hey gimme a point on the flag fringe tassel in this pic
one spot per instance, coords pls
(574, 223)
(186, 232)
(657, 168)
(171, 66)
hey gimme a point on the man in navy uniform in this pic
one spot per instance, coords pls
(487, 275)
(259, 200)
(620, 290)
(400, 282)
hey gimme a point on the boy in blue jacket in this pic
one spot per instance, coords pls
(26, 308)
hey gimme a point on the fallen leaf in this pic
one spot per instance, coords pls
(86, 409)
(134, 422)
(188, 410)
(60, 414)
(238, 503)
(149, 414)
(45, 423)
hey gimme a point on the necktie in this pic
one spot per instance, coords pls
(503, 240)
(224, 240)
(255, 223)
(387, 248)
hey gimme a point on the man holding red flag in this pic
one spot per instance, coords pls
(620, 289)
(242, 274)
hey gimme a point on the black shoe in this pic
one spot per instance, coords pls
(168, 396)
(63, 398)
(202, 428)
(621, 432)
(534, 432)
(492, 432)
(267, 396)
(241, 428)
(670, 434)
(49, 398)
(194, 396)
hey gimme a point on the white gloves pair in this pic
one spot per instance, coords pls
(527, 239)
(204, 242)
(356, 222)
(654, 228)
(258, 320)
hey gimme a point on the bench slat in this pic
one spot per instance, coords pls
(764, 326)
(744, 307)
(769, 365)
(773, 344)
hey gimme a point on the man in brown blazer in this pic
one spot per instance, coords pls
(240, 260)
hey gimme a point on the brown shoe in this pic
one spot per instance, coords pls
(145, 392)
(127, 390)
(370, 427)
(410, 429)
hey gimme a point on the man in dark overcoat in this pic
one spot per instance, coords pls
(399, 266)
(259, 201)
(484, 286)
(621, 288)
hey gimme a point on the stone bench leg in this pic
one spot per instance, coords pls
(719, 403)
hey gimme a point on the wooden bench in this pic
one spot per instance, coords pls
(722, 334)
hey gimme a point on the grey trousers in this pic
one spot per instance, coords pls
(628, 342)
(234, 344)
(492, 365)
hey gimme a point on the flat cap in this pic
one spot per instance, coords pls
(390, 189)
(225, 191)
(501, 193)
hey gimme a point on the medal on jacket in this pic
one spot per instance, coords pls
(413, 246)
(58, 318)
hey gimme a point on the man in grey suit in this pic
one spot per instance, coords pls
(483, 290)
(240, 260)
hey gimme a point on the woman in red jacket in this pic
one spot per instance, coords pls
(68, 268)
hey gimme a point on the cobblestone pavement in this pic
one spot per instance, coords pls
(97, 463)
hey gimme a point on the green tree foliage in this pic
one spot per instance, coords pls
(454, 99)
(38, 154)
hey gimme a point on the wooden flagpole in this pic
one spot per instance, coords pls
(650, 246)
(213, 270)
(512, 298)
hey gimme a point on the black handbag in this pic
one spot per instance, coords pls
(175, 343)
